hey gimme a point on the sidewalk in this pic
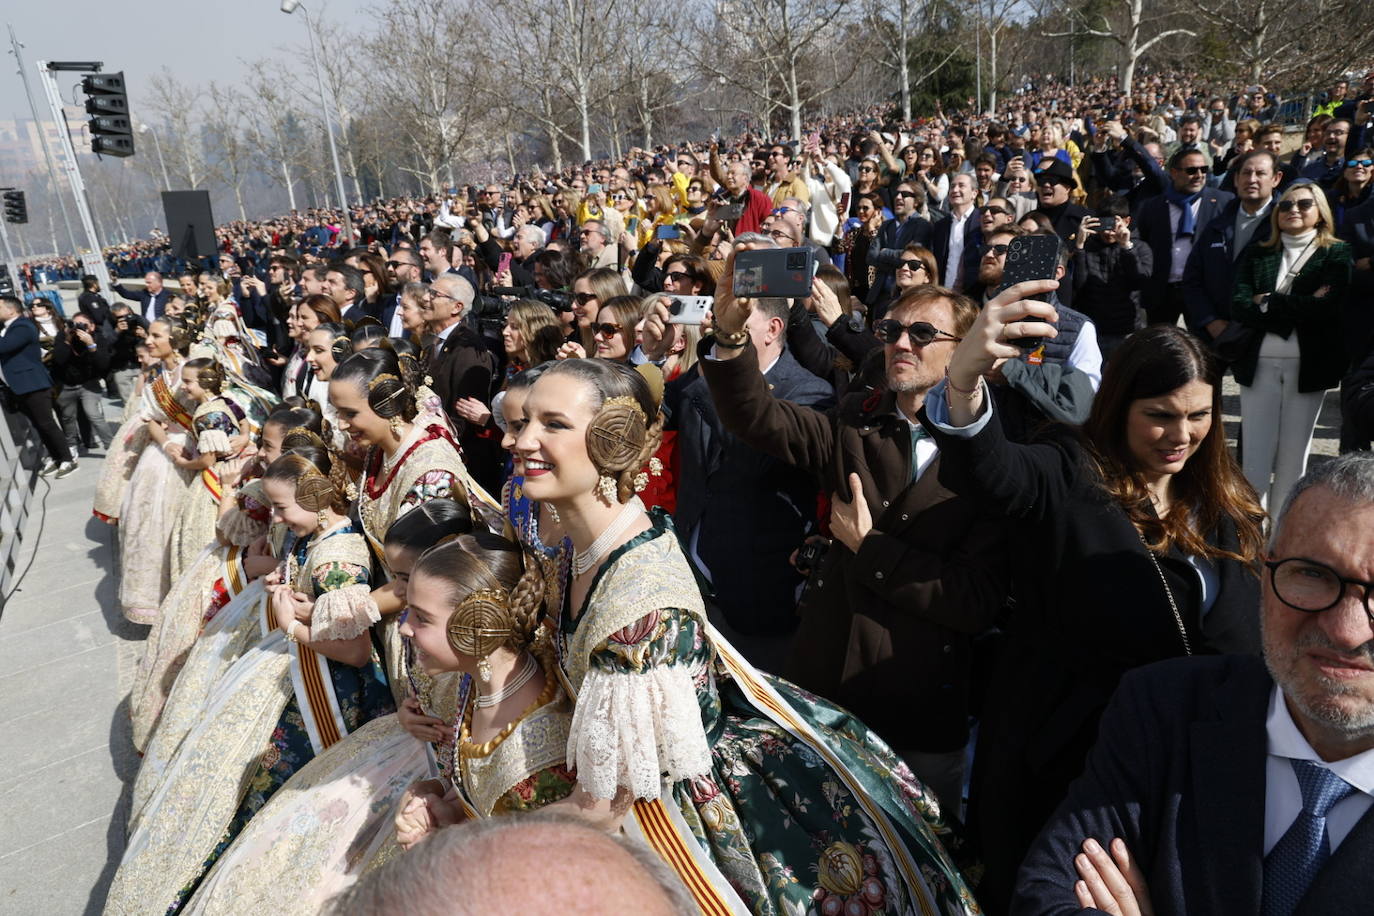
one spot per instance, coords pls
(67, 659)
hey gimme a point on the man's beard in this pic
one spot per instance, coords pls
(989, 275)
(1282, 664)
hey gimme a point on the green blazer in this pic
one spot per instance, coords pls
(1316, 319)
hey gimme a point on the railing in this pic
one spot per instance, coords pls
(19, 461)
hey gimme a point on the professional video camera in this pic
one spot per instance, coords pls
(491, 308)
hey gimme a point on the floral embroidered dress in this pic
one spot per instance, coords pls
(277, 707)
(150, 502)
(212, 580)
(215, 422)
(764, 798)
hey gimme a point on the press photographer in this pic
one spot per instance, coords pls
(80, 360)
(129, 331)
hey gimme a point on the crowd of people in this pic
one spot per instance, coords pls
(463, 517)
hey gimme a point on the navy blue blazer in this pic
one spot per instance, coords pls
(21, 358)
(149, 306)
(1209, 278)
(1357, 322)
(1178, 773)
(939, 246)
(1156, 229)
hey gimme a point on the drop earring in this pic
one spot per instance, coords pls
(322, 519)
(606, 489)
(396, 427)
(484, 670)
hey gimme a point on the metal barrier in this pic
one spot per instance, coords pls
(19, 462)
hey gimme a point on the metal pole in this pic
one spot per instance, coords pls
(329, 129)
(43, 140)
(166, 182)
(10, 263)
(95, 260)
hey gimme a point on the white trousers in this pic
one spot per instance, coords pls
(1277, 422)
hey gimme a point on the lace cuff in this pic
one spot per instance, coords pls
(633, 730)
(343, 613)
(213, 440)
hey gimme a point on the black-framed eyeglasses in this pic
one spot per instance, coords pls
(606, 329)
(780, 235)
(1312, 587)
(999, 249)
(394, 264)
(584, 298)
(1303, 205)
(920, 333)
(912, 264)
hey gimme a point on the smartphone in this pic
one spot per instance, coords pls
(1030, 257)
(775, 272)
(667, 232)
(503, 263)
(728, 213)
(689, 309)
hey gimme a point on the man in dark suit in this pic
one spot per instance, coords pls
(152, 299)
(955, 240)
(21, 364)
(1220, 787)
(403, 267)
(889, 615)
(742, 512)
(462, 371)
(1170, 225)
(907, 227)
(1209, 277)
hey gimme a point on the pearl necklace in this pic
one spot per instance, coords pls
(508, 691)
(588, 559)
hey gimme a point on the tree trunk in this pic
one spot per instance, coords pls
(904, 59)
(794, 103)
(290, 185)
(993, 78)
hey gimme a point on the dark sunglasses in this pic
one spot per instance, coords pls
(395, 264)
(1303, 205)
(911, 264)
(999, 249)
(998, 210)
(779, 211)
(584, 298)
(677, 276)
(620, 197)
(920, 333)
(867, 168)
(606, 329)
(1194, 169)
(1352, 163)
(911, 194)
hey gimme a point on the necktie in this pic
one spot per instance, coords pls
(918, 432)
(1303, 850)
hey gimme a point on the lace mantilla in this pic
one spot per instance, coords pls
(343, 613)
(634, 730)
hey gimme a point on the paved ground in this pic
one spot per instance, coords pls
(66, 760)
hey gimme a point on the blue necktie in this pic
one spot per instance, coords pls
(1303, 850)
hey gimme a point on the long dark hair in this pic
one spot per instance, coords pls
(1151, 363)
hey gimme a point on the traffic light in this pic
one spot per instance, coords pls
(16, 209)
(108, 106)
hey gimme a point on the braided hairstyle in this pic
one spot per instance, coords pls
(310, 475)
(340, 344)
(378, 374)
(292, 417)
(209, 374)
(627, 428)
(495, 585)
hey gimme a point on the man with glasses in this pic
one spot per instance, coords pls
(784, 183)
(1217, 127)
(403, 267)
(889, 611)
(462, 370)
(1233, 784)
(596, 246)
(787, 226)
(1325, 169)
(1169, 224)
(755, 205)
(907, 227)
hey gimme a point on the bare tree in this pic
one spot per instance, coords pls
(780, 36)
(1280, 44)
(341, 80)
(1130, 25)
(897, 25)
(273, 130)
(226, 132)
(431, 95)
(176, 105)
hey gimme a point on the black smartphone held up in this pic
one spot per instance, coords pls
(775, 272)
(668, 232)
(1030, 257)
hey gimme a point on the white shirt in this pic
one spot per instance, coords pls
(1182, 246)
(396, 329)
(1246, 225)
(925, 450)
(956, 249)
(1283, 798)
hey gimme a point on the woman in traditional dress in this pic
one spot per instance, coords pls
(334, 817)
(224, 571)
(156, 485)
(298, 692)
(475, 606)
(764, 798)
(221, 431)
